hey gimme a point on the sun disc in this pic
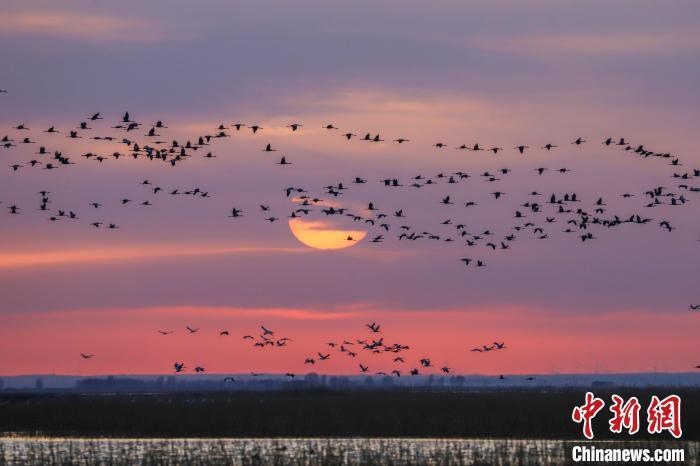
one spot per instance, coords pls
(322, 235)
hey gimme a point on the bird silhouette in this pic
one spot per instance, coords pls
(583, 217)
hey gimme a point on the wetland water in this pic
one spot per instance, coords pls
(308, 451)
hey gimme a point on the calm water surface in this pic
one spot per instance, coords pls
(350, 451)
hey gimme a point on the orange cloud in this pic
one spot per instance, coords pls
(79, 26)
(127, 253)
(214, 312)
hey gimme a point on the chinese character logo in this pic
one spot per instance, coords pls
(662, 415)
(665, 415)
(625, 415)
(587, 412)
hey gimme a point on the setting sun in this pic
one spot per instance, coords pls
(322, 235)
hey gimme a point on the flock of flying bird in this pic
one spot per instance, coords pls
(351, 347)
(562, 208)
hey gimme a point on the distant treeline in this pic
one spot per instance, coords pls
(325, 413)
(314, 381)
(174, 383)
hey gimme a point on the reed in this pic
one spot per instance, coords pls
(398, 413)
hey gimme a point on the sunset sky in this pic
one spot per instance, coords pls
(495, 72)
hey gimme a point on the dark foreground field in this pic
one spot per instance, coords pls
(513, 414)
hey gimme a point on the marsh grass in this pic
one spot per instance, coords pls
(395, 427)
(396, 414)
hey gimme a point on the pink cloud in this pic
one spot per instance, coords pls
(593, 44)
(126, 341)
